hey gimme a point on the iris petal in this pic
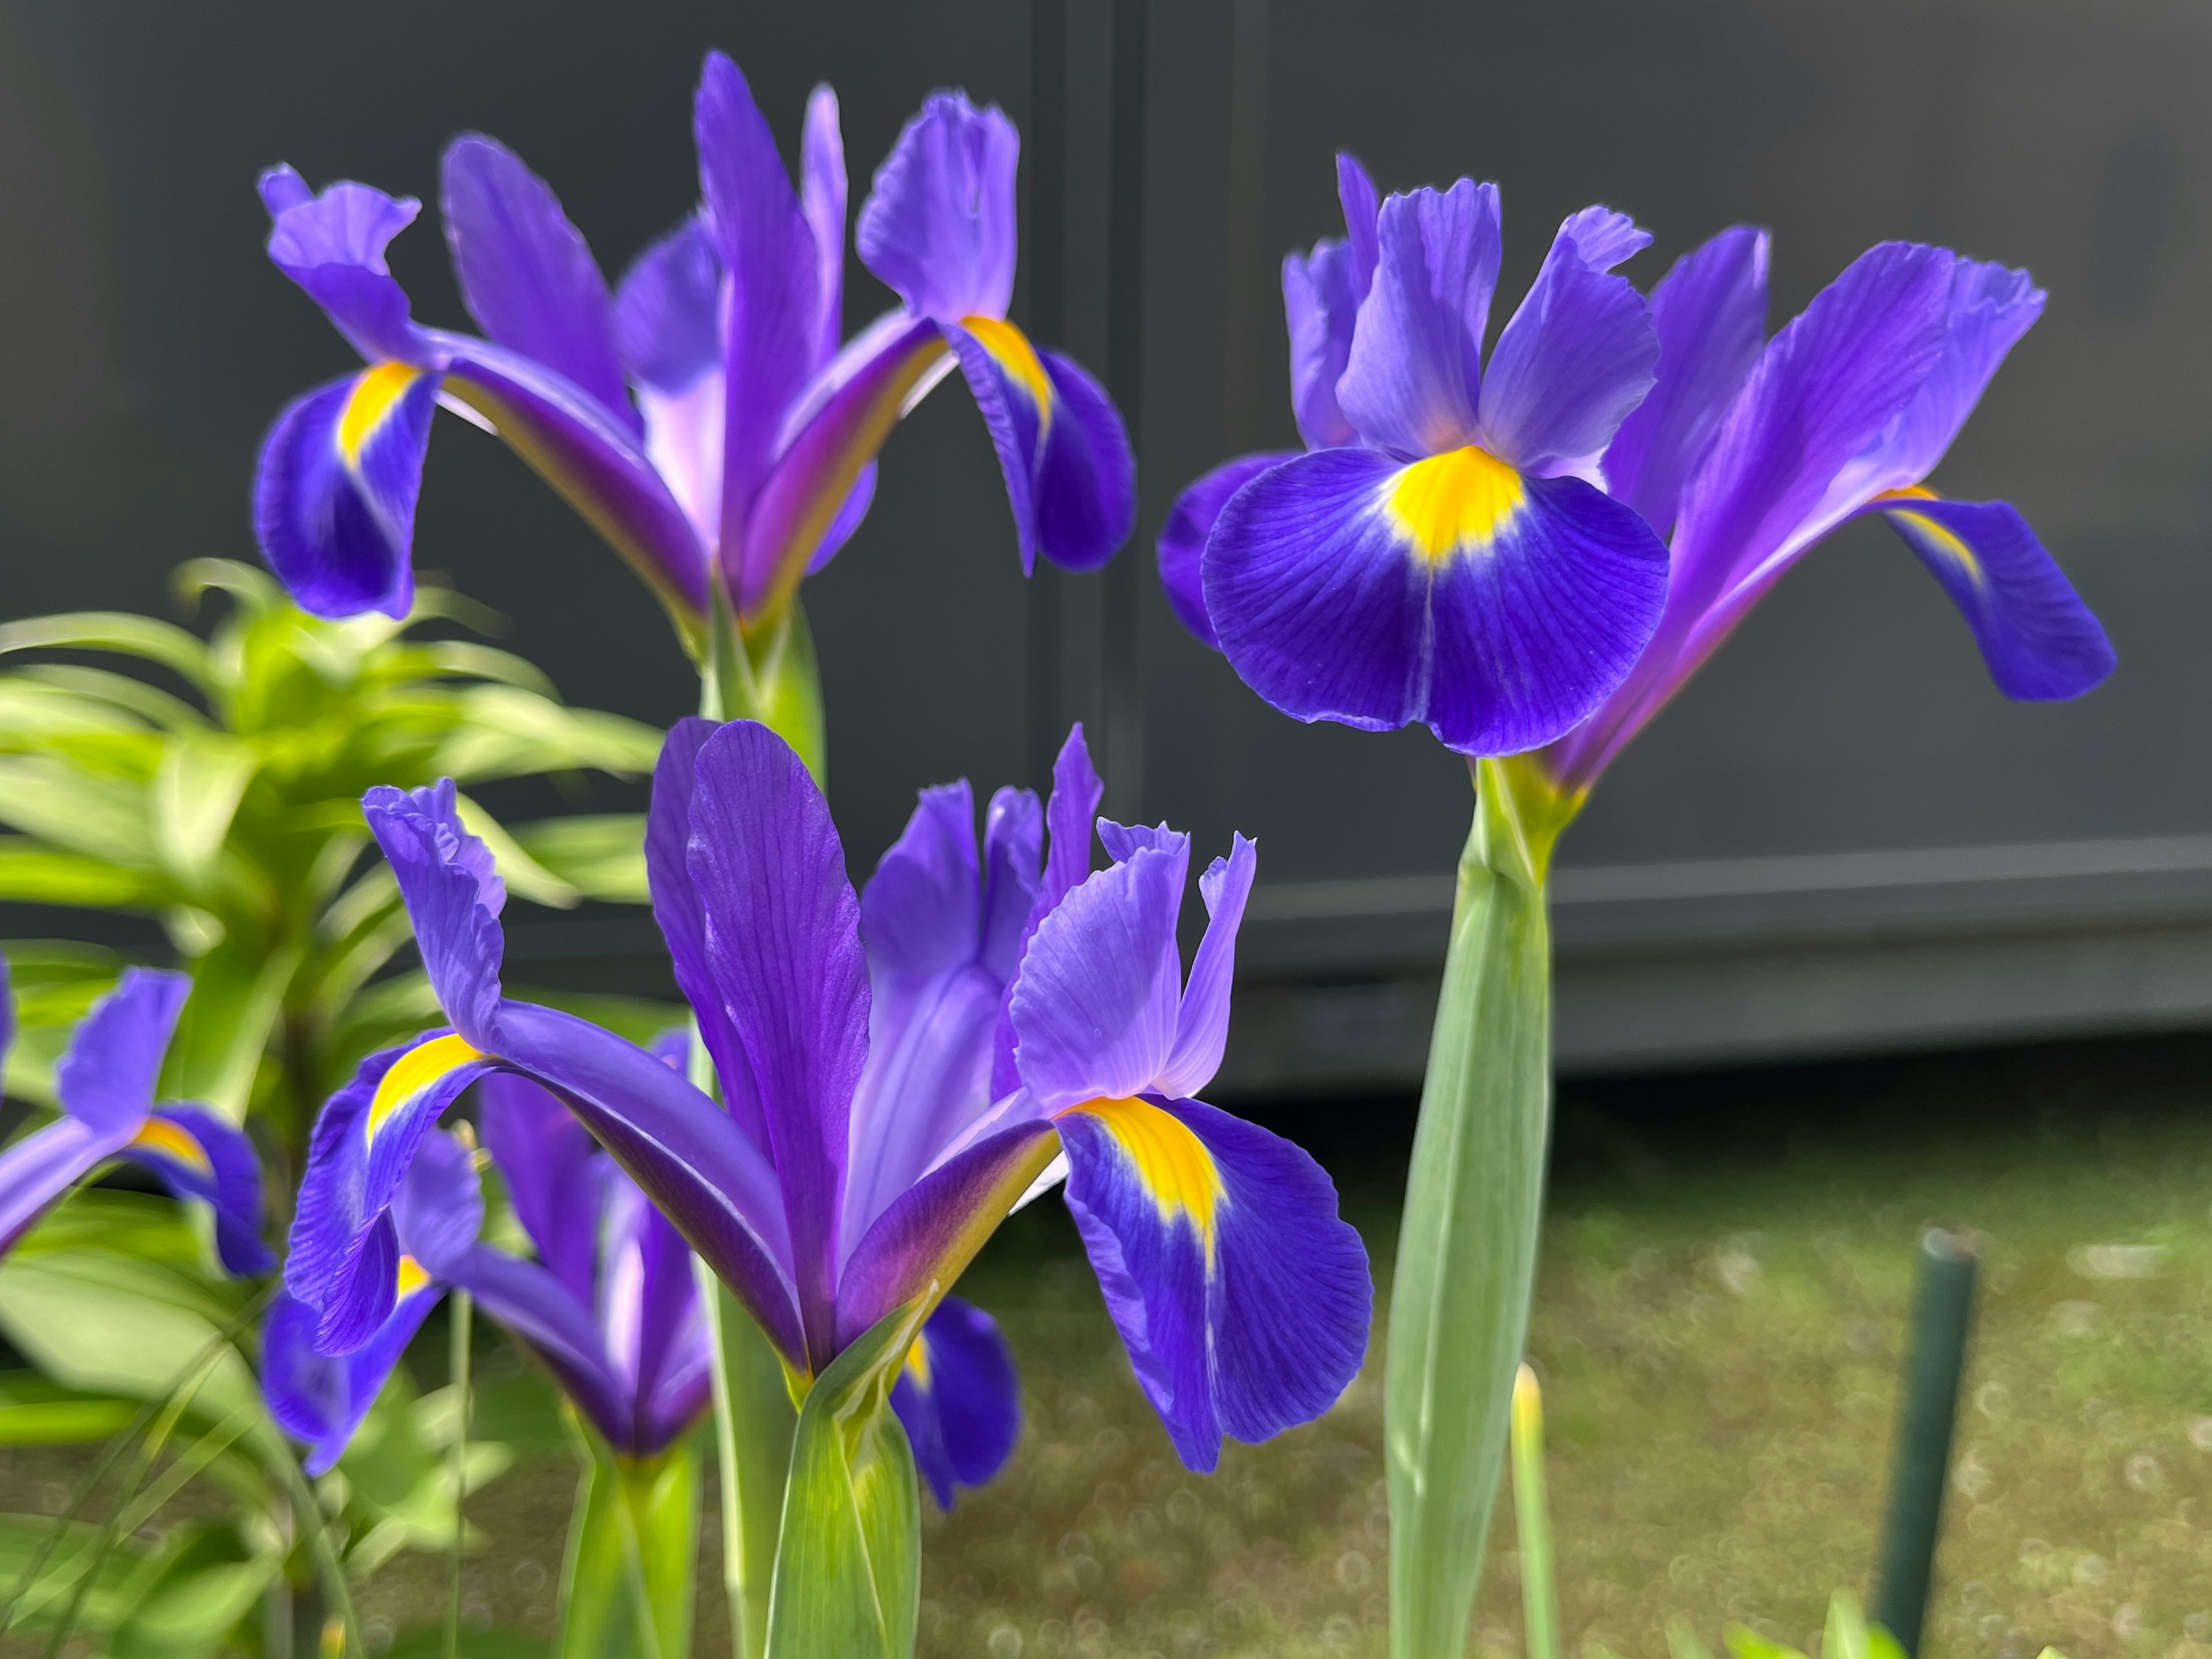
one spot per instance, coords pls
(939, 226)
(1498, 609)
(106, 1080)
(1190, 521)
(199, 1155)
(2041, 643)
(334, 488)
(959, 1399)
(1242, 1298)
(321, 1399)
(453, 896)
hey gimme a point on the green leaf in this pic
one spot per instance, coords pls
(54, 983)
(111, 630)
(22, 1537)
(626, 1587)
(1467, 1249)
(119, 693)
(1747, 1643)
(1539, 1597)
(31, 713)
(1845, 1636)
(1682, 1642)
(848, 1556)
(753, 1424)
(508, 731)
(105, 818)
(35, 874)
(238, 992)
(208, 1582)
(195, 794)
(602, 856)
(34, 1412)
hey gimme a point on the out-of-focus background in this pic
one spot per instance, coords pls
(1840, 841)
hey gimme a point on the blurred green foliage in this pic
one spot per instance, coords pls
(232, 814)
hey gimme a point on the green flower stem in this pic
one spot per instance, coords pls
(462, 1309)
(1466, 1249)
(1539, 1595)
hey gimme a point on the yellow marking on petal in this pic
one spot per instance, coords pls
(917, 1363)
(415, 1070)
(411, 1277)
(1908, 493)
(1945, 541)
(1170, 1161)
(1011, 349)
(1453, 502)
(374, 397)
(174, 1140)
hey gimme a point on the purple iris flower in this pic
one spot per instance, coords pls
(106, 1082)
(1746, 455)
(610, 1307)
(864, 1153)
(1443, 554)
(702, 419)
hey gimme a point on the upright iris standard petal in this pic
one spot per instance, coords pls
(335, 490)
(332, 246)
(1991, 306)
(1414, 373)
(1577, 357)
(1710, 312)
(782, 945)
(525, 273)
(554, 1177)
(106, 1080)
(2041, 643)
(939, 226)
(1321, 299)
(1499, 611)
(1069, 816)
(1242, 1298)
(958, 1398)
(1202, 1022)
(822, 193)
(1183, 537)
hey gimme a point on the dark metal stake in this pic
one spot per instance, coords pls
(1943, 1313)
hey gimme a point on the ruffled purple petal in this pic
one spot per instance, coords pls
(525, 273)
(334, 488)
(453, 896)
(2041, 643)
(199, 1155)
(1242, 1297)
(783, 947)
(1576, 358)
(1182, 538)
(1710, 314)
(1498, 609)
(1095, 1008)
(332, 246)
(1991, 307)
(771, 317)
(552, 1172)
(1414, 374)
(938, 227)
(1202, 1023)
(1070, 816)
(959, 1399)
(1356, 195)
(105, 1078)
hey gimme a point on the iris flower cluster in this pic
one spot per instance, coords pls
(899, 1069)
(1535, 552)
(703, 416)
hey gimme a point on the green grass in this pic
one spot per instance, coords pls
(1719, 1326)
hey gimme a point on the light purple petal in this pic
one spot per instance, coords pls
(525, 273)
(1411, 384)
(335, 487)
(42, 1166)
(1498, 610)
(655, 1336)
(105, 1078)
(1355, 194)
(1070, 816)
(1991, 306)
(821, 198)
(537, 1310)
(1320, 307)
(1094, 1009)
(552, 1172)
(668, 310)
(783, 944)
(1577, 357)
(1242, 1297)
(332, 246)
(1710, 314)
(439, 1209)
(939, 226)
(2041, 643)
(772, 305)
(1202, 1023)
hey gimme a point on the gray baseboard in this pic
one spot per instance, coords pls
(1730, 961)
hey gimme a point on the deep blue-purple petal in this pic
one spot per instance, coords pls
(2041, 643)
(552, 1174)
(321, 1399)
(537, 1310)
(960, 1400)
(1414, 374)
(939, 226)
(1182, 537)
(1086, 476)
(220, 1168)
(668, 309)
(453, 896)
(1070, 818)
